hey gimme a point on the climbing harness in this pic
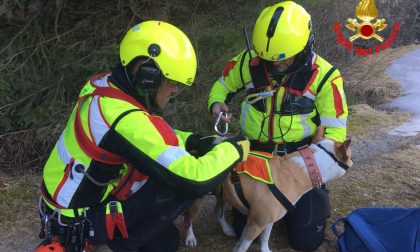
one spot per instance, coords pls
(218, 124)
(279, 150)
(58, 234)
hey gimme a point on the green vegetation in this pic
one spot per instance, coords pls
(49, 48)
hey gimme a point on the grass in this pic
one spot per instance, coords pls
(48, 50)
(18, 214)
(363, 117)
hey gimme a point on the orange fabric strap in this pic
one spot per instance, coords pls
(86, 144)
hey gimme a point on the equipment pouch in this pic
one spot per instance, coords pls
(297, 105)
(114, 218)
(129, 184)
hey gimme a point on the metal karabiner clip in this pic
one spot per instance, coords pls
(218, 122)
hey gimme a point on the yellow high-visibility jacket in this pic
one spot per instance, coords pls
(142, 140)
(291, 106)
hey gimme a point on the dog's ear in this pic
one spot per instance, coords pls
(345, 152)
(344, 146)
(347, 143)
(319, 134)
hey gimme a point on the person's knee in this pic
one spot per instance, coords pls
(308, 238)
(306, 224)
(167, 240)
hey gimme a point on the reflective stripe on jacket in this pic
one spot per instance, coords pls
(268, 124)
(145, 141)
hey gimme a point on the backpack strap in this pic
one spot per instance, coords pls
(326, 76)
(317, 119)
(242, 64)
(365, 233)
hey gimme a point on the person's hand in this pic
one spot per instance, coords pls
(218, 107)
(199, 146)
(243, 142)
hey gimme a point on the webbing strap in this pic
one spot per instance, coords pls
(242, 64)
(311, 165)
(280, 197)
(86, 144)
(47, 197)
(117, 94)
(326, 76)
(365, 233)
(234, 178)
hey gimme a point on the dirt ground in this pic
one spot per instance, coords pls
(386, 172)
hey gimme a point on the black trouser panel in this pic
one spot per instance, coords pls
(149, 215)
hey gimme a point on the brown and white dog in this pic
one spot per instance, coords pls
(291, 177)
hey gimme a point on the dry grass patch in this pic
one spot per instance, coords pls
(19, 225)
(365, 121)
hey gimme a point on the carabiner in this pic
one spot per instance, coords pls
(46, 226)
(216, 125)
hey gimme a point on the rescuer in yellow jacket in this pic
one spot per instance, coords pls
(290, 90)
(121, 174)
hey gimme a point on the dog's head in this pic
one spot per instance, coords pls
(341, 151)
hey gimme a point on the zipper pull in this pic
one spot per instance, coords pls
(70, 166)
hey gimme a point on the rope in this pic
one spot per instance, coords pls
(253, 98)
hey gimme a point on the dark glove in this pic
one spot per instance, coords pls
(198, 145)
(240, 142)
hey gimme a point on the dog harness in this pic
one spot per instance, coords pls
(257, 167)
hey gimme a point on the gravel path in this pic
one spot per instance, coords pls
(365, 150)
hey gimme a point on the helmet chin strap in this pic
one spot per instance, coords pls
(129, 77)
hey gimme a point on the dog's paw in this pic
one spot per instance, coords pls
(264, 246)
(190, 241)
(228, 230)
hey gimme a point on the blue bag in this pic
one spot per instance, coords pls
(380, 230)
